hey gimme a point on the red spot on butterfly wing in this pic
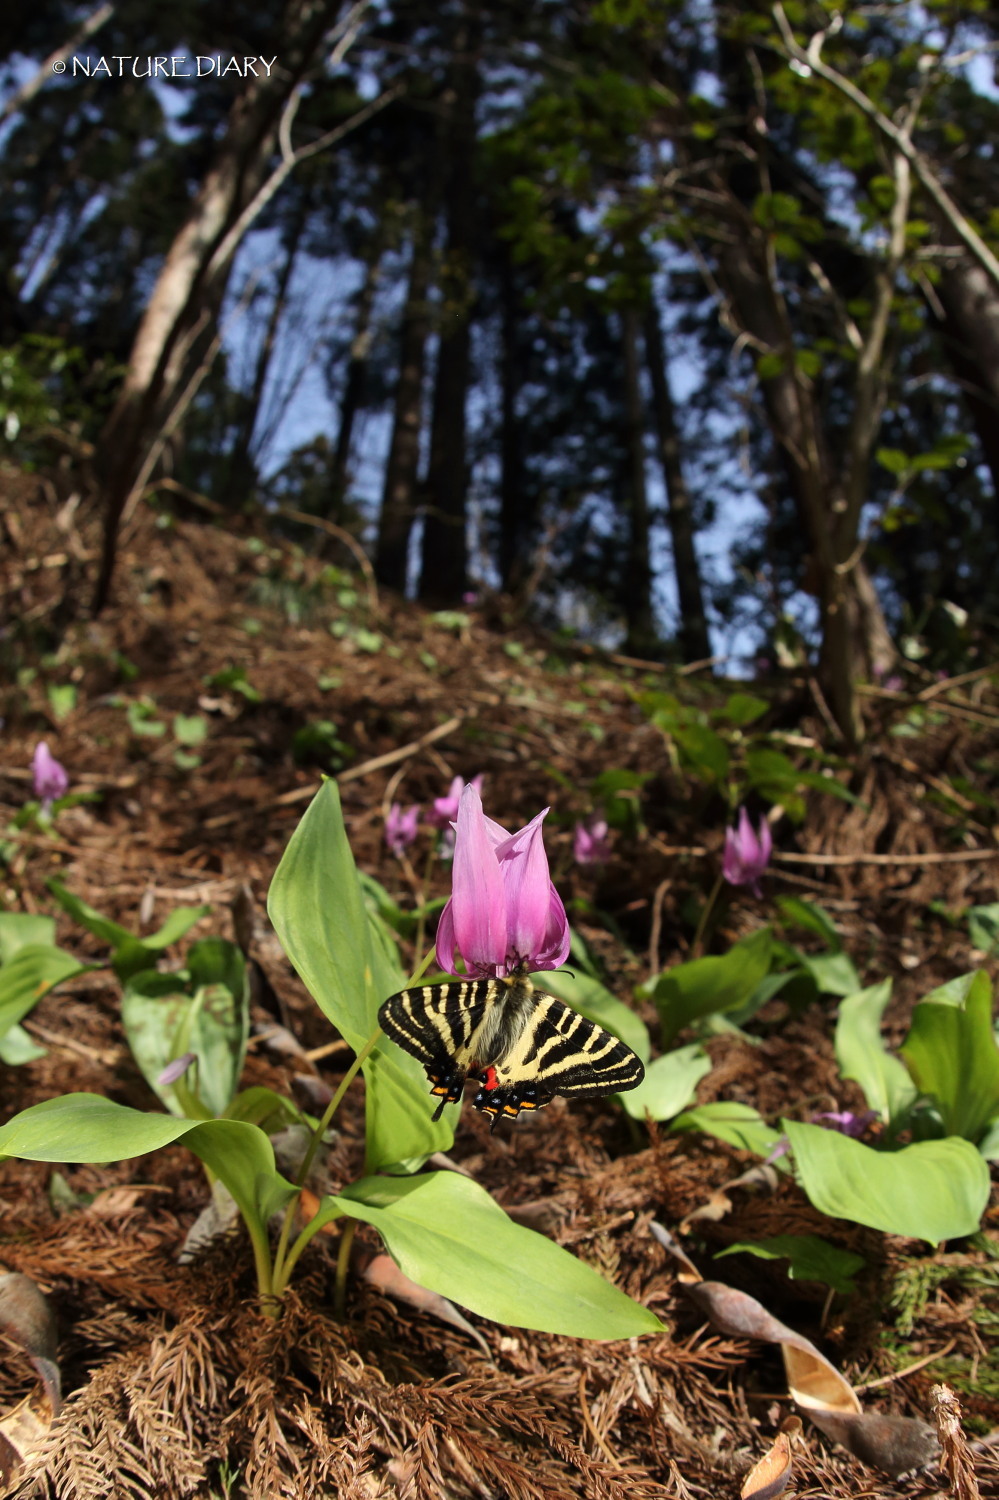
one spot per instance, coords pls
(489, 1079)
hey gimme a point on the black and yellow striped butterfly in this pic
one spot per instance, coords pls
(522, 1045)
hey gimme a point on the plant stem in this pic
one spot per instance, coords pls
(342, 1264)
(702, 921)
(421, 921)
(280, 1269)
(282, 1279)
(422, 967)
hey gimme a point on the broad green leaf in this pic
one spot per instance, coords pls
(263, 1107)
(863, 1057)
(31, 973)
(18, 928)
(131, 954)
(743, 708)
(932, 1190)
(689, 991)
(595, 1001)
(202, 1009)
(17, 1047)
(770, 771)
(736, 1124)
(88, 1128)
(179, 922)
(447, 1234)
(833, 973)
(809, 1257)
(983, 927)
(798, 912)
(952, 1055)
(954, 992)
(988, 1146)
(102, 927)
(703, 751)
(669, 1084)
(318, 912)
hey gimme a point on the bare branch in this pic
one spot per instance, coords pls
(83, 33)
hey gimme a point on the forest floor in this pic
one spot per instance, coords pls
(175, 1386)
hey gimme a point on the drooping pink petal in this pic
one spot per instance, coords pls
(478, 904)
(50, 779)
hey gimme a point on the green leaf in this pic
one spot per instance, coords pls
(130, 954)
(863, 1057)
(101, 927)
(317, 908)
(768, 366)
(17, 929)
(689, 991)
(447, 1234)
(17, 1047)
(770, 772)
(702, 751)
(669, 1084)
(743, 708)
(87, 1128)
(62, 699)
(31, 973)
(810, 1258)
(894, 460)
(952, 1055)
(932, 1190)
(983, 927)
(736, 1124)
(798, 912)
(595, 1001)
(834, 973)
(190, 729)
(178, 923)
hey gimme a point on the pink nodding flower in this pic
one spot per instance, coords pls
(400, 827)
(504, 914)
(589, 844)
(445, 809)
(50, 778)
(747, 853)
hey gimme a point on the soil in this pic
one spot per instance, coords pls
(175, 1385)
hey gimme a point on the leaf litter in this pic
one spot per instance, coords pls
(174, 1386)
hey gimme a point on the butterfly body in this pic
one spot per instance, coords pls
(523, 1045)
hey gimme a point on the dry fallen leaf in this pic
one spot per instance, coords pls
(893, 1444)
(28, 1322)
(769, 1478)
(719, 1204)
(383, 1273)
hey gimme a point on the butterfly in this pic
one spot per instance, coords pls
(522, 1045)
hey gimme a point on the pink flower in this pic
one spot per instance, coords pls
(50, 778)
(400, 827)
(504, 914)
(445, 809)
(175, 1070)
(847, 1121)
(589, 844)
(747, 854)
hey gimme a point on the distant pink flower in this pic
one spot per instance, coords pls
(445, 809)
(470, 597)
(747, 853)
(504, 913)
(175, 1069)
(589, 844)
(400, 827)
(50, 778)
(846, 1121)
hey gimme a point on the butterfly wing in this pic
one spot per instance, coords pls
(558, 1051)
(438, 1024)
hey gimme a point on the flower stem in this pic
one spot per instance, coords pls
(421, 921)
(280, 1276)
(342, 1265)
(702, 921)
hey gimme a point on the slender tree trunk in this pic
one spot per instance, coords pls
(242, 467)
(357, 367)
(399, 493)
(695, 642)
(189, 286)
(517, 504)
(444, 566)
(642, 637)
(856, 643)
(969, 301)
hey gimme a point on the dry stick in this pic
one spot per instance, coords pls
(920, 1364)
(303, 793)
(589, 1425)
(351, 543)
(952, 682)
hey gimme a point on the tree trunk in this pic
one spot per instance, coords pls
(970, 330)
(353, 390)
(517, 510)
(695, 643)
(642, 637)
(856, 644)
(187, 291)
(444, 565)
(399, 491)
(242, 466)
